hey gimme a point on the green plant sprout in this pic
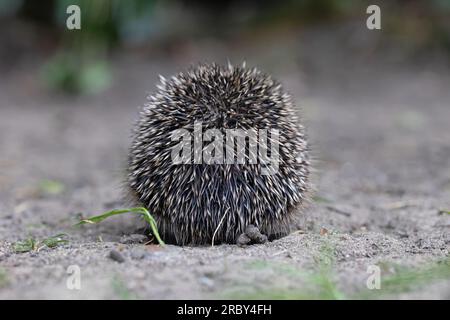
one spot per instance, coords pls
(31, 244)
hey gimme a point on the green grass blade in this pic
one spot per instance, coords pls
(148, 217)
(101, 217)
(138, 210)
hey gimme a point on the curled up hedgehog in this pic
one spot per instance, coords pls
(219, 156)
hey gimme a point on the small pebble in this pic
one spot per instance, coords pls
(139, 254)
(133, 238)
(116, 256)
(207, 282)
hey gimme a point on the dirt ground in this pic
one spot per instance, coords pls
(379, 125)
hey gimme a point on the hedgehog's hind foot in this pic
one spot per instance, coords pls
(252, 235)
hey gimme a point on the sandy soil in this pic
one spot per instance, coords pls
(381, 136)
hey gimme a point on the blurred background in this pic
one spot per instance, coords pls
(68, 97)
(308, 35)
(321, 50)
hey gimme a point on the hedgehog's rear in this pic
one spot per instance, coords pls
(195, 201)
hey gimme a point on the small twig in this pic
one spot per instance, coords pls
(339, 211)
(399, 205)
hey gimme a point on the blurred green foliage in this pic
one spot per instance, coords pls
(67, 72)
(9, 7)
(106, 21)
(80, 64)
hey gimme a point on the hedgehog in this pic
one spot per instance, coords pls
(202, 202)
